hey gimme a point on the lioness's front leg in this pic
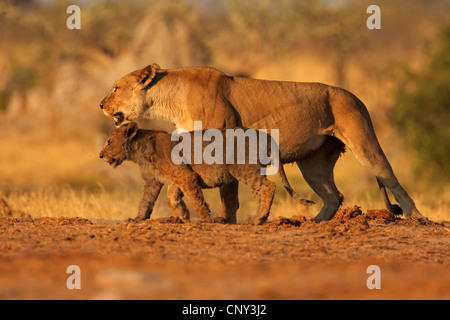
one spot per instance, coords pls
(176, 203)
(230, 201)
(152, 188)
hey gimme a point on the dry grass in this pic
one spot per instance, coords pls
(63, 176)
(100, 204)
(119, 204)
(46, 176)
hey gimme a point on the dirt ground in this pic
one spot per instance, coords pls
(166, 258)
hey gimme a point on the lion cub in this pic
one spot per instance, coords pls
(152, 150)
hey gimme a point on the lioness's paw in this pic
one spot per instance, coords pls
(139, 219)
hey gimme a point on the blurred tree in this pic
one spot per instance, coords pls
(422, 109)
(251, 32)
(23, 2)
(266, 30)
(339, 29)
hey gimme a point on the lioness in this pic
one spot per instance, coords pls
(315, 121)
(152, 150)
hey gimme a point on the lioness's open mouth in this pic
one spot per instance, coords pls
(118, 118)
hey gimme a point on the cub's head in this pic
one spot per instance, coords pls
(126, 100)
(116, 148)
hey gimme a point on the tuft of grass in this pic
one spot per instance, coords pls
(63, 176)
(106, 203)
(100, 204)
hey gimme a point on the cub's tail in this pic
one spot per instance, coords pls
(291, 191)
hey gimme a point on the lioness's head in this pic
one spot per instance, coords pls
(116, 148)
(126, 100)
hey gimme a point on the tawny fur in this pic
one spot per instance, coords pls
(315, 121)
(152, 151)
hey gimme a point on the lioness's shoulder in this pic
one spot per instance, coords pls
(198, 73)
(198, 70)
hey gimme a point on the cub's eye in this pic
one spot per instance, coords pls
(109, 143)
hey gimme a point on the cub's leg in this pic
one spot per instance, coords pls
(176, 203)
(262, 188)
(265, 190)
(188, 183)
(152, 188)
(195, 195)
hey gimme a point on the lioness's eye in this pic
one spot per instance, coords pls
(114, 89)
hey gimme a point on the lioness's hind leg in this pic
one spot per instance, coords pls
(365, 146)
(317, 169)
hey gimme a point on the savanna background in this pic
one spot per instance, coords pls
(52, 80)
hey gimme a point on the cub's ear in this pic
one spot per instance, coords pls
(151, 145)
(131, 129)
(147, 74)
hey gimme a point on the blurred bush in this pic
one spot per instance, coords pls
(52, 79)
(118, 36)
(422, 111)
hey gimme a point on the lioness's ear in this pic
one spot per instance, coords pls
(131, 129)
(147, 74)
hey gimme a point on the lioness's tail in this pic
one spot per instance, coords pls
(394, 208)
(291, 191)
